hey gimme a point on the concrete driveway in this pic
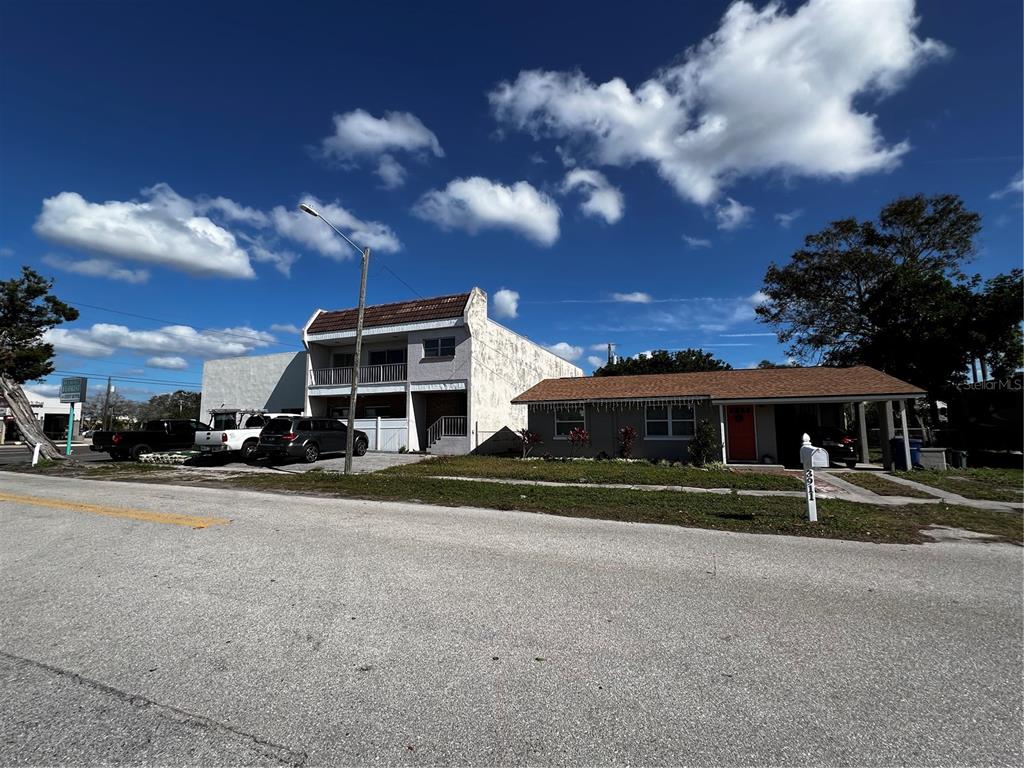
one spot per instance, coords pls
(304, 631)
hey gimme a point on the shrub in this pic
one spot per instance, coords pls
(705, 446)
(579, 438)
(627, 436)
(529, 441)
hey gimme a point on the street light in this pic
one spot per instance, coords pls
(350, 436)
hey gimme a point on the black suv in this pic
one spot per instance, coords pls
(306, 437)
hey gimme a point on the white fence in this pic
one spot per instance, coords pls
(385, 434)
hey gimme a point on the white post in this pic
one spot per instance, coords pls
(721, 430)
(376, 441)
(812, 502)
(35, 454)
(905, 432)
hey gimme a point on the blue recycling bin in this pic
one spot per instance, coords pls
(899, 458)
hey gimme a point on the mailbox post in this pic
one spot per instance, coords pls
(812, 458)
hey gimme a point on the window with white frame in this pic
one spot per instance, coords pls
(568, 419)
(670, 421)
(443, 347)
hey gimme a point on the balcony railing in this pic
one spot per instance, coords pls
(368, 374)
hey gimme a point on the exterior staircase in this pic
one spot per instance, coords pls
(448, 436)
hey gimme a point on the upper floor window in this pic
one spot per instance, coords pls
(670, 421)
(387, 356)
(443, 347)
(342, 360)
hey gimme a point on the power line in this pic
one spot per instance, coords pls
(252, 337)
(132, 379)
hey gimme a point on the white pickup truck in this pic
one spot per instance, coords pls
(234, 431)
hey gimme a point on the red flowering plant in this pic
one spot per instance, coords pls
(529, 441)
(579, 438)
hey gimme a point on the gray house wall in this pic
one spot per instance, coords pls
(604, 424)
(273, 382)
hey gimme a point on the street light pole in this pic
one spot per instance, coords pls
(351, 431)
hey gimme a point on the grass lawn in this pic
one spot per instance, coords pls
(597, 472)
(980, 483)
(883, 486)
(773, 515)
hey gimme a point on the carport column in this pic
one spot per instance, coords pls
(376, 439)
(721, 431)
(887, 433)
(862, 432)
(906, 433)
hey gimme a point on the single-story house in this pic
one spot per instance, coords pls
(760, 414)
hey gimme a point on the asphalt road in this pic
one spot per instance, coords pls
(304, 631)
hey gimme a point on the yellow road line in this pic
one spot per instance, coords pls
(170, 518)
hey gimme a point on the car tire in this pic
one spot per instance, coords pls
(118, 455)
(249, 449)
(851, 464)
(359, 448)
(311, 453)
(138, 450)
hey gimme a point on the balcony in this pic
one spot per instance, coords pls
(368, 374)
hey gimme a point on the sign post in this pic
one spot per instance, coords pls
(812, 457)
(72, 390)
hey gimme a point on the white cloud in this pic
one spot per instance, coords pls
(506, 303)
(97, 268)
(170, 362)
(359, 134)
(598, 347)
(476, 203)
(601, 199)
(785, 219)
(636, 297)
(596, 361)
(1015, 187)
(44, 390)
(232, 211)
(315, 234)
(703, 313)
(732, 214)
(390, 171)
(103, 339)
(285, 328)
(564, 350)
(769, 90)
(163, 230)
(696, 242)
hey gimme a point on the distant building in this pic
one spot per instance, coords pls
(49, 411)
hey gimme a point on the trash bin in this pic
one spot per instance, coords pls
(899, 458)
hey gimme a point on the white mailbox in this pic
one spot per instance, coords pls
(813, 458)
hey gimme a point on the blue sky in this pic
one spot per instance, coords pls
(629, 175)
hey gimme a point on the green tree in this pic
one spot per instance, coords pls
(889, 293)
(770, 364)
(996, 328)
(663, 361)
(174, 405)
(27, 311)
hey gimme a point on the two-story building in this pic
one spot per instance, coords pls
(434, 375)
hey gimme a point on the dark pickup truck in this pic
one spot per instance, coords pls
(162, 435)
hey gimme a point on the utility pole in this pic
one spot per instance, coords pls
(351, 431)
(106, 406)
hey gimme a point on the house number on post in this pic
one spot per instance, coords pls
(811, 458)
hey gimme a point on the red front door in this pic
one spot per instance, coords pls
(739, 429)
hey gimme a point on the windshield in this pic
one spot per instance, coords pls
(278, 427)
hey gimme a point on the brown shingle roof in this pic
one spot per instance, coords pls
(860, 381)
(418, 311)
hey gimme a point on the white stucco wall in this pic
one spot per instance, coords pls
(503, 364)
(274, 382)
